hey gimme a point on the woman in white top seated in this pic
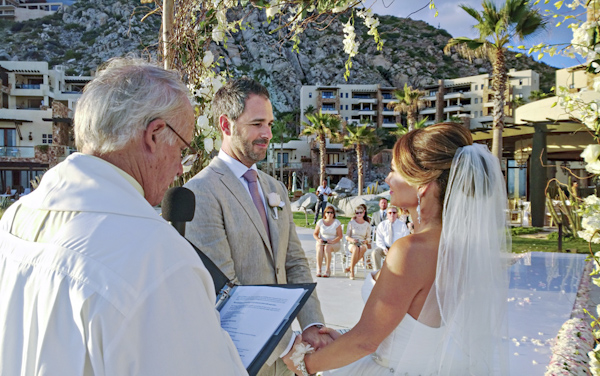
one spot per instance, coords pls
(328, 234)
(358, 236)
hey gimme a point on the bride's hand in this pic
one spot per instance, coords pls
(332, 332)
(287, 359)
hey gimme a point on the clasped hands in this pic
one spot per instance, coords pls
(317, 337)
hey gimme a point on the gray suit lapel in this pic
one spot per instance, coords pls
(239, 192)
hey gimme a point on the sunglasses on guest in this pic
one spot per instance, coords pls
(358, 212)
(328, 212)
(392, 212)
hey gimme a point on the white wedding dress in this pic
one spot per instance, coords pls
(392, 353)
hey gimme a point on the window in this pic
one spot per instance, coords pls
(310, 94)
(8, 137)
(46, 138)
(285, 158)
(333, 158)
(346, 95)
(481, 87)
(328, 107)
(327, 95)
(476, 100)
(432, 93)
(346, 107)
(520, 82)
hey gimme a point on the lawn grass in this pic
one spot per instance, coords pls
(300, 220)
(519, 244)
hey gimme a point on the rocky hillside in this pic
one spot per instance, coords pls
(89, 32)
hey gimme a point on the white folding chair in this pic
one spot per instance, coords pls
(341, 253)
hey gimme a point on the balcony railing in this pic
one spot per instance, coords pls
(328, 96)
(17, 151)
(28, 86)
(29, 151)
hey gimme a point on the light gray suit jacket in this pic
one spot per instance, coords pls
(228, 228)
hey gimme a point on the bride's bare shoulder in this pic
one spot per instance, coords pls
(413, 251)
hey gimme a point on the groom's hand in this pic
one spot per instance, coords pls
(316, 339)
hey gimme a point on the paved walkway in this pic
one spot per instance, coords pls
(340, 297)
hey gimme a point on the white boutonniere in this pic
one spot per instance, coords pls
(275, 202)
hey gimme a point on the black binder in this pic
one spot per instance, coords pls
(224, 288)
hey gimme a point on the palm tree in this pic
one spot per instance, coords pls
(518, 102)
(323, 126)
(497, 28)
(310, 109)
(359, 137)
(280, 129)
(536, 95)
(410, 101)
(402, 129)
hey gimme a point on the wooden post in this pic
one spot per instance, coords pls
(560, 236)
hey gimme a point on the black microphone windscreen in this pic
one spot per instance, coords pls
(178, 205)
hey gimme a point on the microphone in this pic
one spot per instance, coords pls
(178, 206)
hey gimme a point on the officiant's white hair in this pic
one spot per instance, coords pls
(125, 96)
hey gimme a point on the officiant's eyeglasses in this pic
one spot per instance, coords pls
(191, 155)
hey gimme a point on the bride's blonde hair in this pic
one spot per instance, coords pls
(425, 155)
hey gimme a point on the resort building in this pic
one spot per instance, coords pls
(471, 99)
(352, 103)
(36, 108)
(544, 144)
(23, 10)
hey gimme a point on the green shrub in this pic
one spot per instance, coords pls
(554, 236)
(524, 230)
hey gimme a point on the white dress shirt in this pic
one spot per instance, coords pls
(388, 233)
(239, 169)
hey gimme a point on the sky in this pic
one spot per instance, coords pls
(458, 23)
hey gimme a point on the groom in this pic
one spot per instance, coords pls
(243, 220)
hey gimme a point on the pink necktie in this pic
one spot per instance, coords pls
(251, 177)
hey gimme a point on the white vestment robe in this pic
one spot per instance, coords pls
(115, 291)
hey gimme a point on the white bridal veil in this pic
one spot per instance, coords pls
(468, 298)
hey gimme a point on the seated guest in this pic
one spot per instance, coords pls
(388, 232)
(379, 215)
(404, 216)
(358, 236)
(328, 234)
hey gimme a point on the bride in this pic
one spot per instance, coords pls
(438, 305)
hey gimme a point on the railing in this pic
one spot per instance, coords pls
(288, 165)
(29, 151)
(17, 151)
(359, 96)
(328, 96)
(328, 108)
(28, 86)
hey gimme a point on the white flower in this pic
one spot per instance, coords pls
(222, 17)
(202, 122)
(218, 35)
(274, 199)
(590, 156)
(208, 58)
(273, 9)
